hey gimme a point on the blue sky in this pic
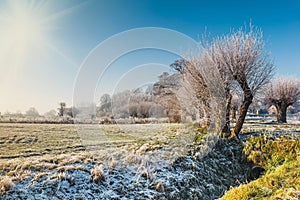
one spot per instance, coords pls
(41, 72)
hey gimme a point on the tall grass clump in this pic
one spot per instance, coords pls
(6, 183)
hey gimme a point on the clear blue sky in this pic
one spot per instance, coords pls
(43, 43)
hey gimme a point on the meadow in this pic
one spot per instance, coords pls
(25, 140)
(33, 151)
(59, 161)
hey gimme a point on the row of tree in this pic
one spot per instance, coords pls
(166, 98)
(138, 103)
(33, 112)
(245, 70)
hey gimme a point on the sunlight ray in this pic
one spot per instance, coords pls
(25, 29)
(60, 53)
(62, 13)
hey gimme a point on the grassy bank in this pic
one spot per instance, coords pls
(280, 157)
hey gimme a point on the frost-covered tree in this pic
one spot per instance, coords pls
(61, 109)
(50, 114)
(282, 93)
(242, 63)
(244, 57)
(105, 106)
(32, 112)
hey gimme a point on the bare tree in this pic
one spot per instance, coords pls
(282, 93)
(164, 94)
(120, 104)
(105, 100)
(157, 111)
(235, 104)
(50, 114)
(194, 82)
(212, 57)
(61, 109)
(32, 112)
(71, 111)
(105, 106)
(243, 55)
(242, 63)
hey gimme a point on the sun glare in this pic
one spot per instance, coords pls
(24, 32)
(24, 29)
(21, 33)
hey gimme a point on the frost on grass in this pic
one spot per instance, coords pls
(134, 176)
(5, 184)
(98, 174)
(131, 172)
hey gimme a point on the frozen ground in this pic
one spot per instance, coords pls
(138, 178)
(38, 171)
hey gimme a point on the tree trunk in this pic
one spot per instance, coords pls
(233, 114)
(281, 109)
(226, 127)
(248, 97)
